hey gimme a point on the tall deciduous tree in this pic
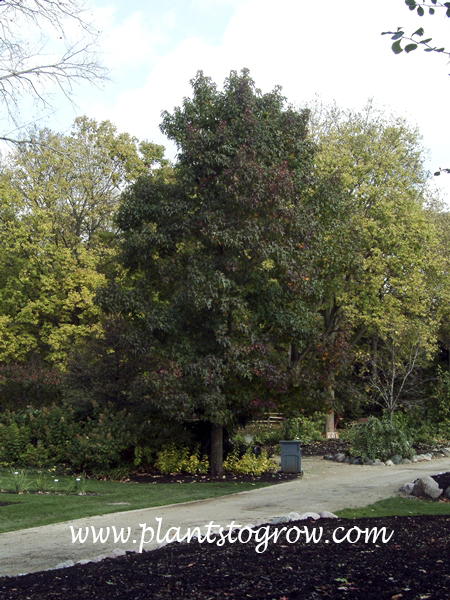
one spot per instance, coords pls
(45, 46)
(59, 197)
(76, 179)
(225, 253)
(389, 271)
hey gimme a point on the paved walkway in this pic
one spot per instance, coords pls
(325, 486)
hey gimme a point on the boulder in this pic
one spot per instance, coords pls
(379, 463)
(389, 463)
(325, 514)
(446, 494)
(293, 516)
(117, 552)
(446, 452)
(407, 488)
(368, 461)
(340, 457)
(406, 461)
(65, 564)
(281, 519)
(427, 487)
(309, 515)
(396, 459)
(328, 457)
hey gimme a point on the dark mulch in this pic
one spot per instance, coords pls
(413, 564)
(144, 476)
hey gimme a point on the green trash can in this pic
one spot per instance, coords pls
(291, 456)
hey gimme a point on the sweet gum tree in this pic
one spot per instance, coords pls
(223, 255)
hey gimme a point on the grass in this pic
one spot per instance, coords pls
(397, 506)
(32, 509)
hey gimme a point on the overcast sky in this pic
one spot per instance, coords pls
(330, 48)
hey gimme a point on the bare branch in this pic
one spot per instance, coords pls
(59, 51)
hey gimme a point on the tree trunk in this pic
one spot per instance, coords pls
(216, 467)
(329, 426)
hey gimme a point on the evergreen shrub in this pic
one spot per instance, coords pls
(379, 439)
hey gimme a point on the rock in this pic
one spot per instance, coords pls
(117, 552)
(446, 452)
(83, 561)
(65, 564)
(427, 486)
(414, 459)
(407, 488)
(325, 514)
(446, 494)
(428, 456)
(368, 461)
(356, 461)
(406, 461)
(379, 463)
(419, 458)
(396, 459)
(99, 558)
(328, 457)
(340, 457)
(389, 463)
(293, 516)
(309, 515)
(282, 519)
(347, 460)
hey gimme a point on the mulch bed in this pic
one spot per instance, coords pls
(413, 564)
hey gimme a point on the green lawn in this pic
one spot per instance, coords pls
(397, 506)
(33, 509)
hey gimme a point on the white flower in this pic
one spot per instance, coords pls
(78, 479)
(56, 481)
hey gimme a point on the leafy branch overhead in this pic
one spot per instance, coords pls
(399, 35)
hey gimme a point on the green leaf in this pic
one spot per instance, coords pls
(437, 173)
(427, 41)
(411, 3)
(398, 35)
(396, 47)
(431, 11)
(420, 31)
(410, 47)
(420, 11)
(448, 12)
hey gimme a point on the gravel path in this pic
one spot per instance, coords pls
(325, 486)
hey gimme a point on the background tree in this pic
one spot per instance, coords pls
(59, 242)
(223, 254)
(383, 267)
